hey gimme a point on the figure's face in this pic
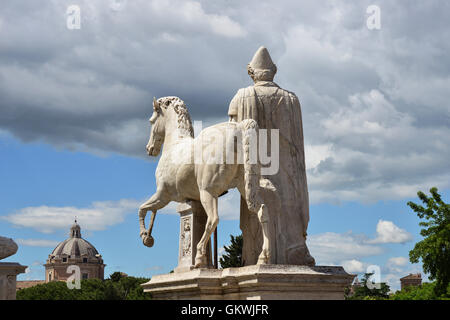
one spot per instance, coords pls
(157, 132)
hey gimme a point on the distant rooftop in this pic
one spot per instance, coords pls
(28, 284)
(412, 276)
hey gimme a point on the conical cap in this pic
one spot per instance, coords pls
(262, 60)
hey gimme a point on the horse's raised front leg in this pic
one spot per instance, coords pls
(209, 203)
(153, 204)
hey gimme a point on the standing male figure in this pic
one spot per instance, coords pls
(276, 108)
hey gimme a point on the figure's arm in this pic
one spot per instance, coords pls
(233, 108)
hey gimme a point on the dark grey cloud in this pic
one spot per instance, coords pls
(375, 102)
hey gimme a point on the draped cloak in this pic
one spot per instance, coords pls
(276, 108)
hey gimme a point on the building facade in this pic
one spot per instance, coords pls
(74, 251)
(411, 280)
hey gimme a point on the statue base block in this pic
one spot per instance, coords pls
(8, 274)
(257, 282)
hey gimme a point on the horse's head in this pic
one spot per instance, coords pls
(157, 133)
(169, 115)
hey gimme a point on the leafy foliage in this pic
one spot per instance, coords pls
(434, 249)
(116, 276)
(49, 291)
(426, 291)
(116, 288)
(369, 292)
(233, 256)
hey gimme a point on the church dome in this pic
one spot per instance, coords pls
(75, 247)
(74, 251)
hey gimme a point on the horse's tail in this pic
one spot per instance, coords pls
(252, 173)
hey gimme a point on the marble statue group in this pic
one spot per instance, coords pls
(274, 208)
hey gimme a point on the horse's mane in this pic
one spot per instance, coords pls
(178, 105)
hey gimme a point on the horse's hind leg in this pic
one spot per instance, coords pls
(209, 203)
(263, 216)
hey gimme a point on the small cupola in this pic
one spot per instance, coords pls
(75, 230)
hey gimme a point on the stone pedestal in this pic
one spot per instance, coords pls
(257, 282)
(192, 225)
(8, 275)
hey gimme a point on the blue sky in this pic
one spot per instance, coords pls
(75, 103)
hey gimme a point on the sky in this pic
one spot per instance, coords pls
(75, 104)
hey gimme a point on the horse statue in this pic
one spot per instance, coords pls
(193, 169)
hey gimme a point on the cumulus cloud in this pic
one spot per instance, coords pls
(374, 155)
(388, 232)
(37, 242)
(348, 248)
(332, 248)
(81, 93)
(374, 103)
(98, 216)
(354, 266)
(192, 14)
(396, 264)
(398, 261)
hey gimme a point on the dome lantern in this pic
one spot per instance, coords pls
(75, 230)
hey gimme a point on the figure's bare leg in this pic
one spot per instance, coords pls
(154, 203)
(263, 215)
(209, 203)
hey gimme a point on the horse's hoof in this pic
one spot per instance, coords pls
(200, 262)
(148, 241)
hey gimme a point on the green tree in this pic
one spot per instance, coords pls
(91, 289)
(426, 291)
(233, 256)
(372, 291)
(116, 276)
(115, 288)
(55, 290)
(129, 288)
(434, 249)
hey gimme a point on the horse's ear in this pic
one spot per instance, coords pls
(155, 104)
